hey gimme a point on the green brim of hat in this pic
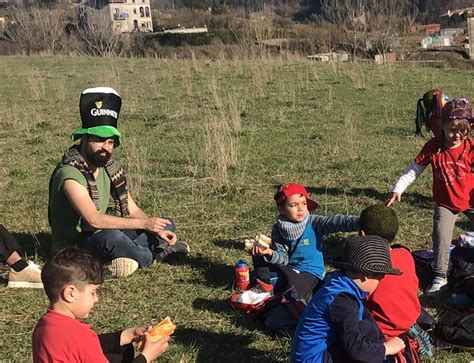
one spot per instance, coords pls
(100, 131)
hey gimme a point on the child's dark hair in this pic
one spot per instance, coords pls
(430, 103)
(70, 265)
(379, 220)
(459, 109)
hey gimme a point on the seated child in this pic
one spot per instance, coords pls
(71, 278)
(296, 248)
(335, 326)
(394, 305)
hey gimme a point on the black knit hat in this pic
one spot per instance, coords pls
(100, 109)
(367, 254)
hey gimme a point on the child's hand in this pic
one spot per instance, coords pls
(259, 251)
(393, 346)
(396, 196)
(152, 350)
(133, 335)
(139, 332)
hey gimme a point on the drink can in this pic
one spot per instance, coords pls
(242, 275)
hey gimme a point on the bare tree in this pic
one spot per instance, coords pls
(387, 20)
(96, 31)
(36, 30)
(368, 25)
(351, 17)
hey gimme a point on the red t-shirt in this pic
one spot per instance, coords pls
(453, 181)
(394, 304)
(59, 338)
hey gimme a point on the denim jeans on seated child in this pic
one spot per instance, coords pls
(138, 245)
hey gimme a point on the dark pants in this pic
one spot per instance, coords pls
(108, 244)
(304, 283)
(8, 244)
(115, 353)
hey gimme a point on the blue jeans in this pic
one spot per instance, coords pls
(138, 245)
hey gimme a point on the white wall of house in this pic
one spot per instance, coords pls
(131, 15)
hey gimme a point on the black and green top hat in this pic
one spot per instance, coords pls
(100, 108)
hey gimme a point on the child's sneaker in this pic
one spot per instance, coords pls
(423, 339)
(256, 294)
(121, 267)
(179, 247)
(436, 286)
(28, 277)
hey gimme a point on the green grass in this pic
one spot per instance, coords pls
(345, 131)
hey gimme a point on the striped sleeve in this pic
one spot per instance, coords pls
(335, 223)
(280, 252)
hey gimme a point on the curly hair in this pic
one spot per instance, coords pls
(379, 220)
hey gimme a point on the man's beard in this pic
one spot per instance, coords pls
(97, 159)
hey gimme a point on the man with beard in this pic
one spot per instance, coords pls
(82, 185)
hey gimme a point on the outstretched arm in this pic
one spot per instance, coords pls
(410, 174)
(335, 223)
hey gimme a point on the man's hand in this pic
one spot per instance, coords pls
(155, 224)
(395, 196)
(168, 236)
(259, 251)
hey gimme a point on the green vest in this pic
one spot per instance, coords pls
(65, 221)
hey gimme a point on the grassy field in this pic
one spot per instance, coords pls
(207, 143)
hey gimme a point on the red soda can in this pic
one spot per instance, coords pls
(242, 275)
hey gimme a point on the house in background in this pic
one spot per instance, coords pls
(456, 18)
(127, 16)
(427, 28)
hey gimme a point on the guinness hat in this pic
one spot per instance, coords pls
(99, 108)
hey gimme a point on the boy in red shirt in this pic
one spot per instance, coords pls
(71, 278)
(394, 305)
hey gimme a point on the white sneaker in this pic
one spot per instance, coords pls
(436, 286)
(121, 267)
(28, 277)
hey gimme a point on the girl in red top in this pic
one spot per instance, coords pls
(428, 111)
(451, 156)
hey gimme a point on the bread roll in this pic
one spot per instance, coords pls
(163, 329)
(264, 241)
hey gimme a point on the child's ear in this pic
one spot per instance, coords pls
(280, 208)
(69, 293)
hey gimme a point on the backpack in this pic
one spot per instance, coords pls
(281, 313)
(455, 327)
(461, 274)
(423, 260)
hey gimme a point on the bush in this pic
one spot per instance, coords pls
(178, 39)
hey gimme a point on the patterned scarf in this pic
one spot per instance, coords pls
(119, 189)
(289, 230)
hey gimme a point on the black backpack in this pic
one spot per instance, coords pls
(455, 327)
(461, 273)
(281, 313)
